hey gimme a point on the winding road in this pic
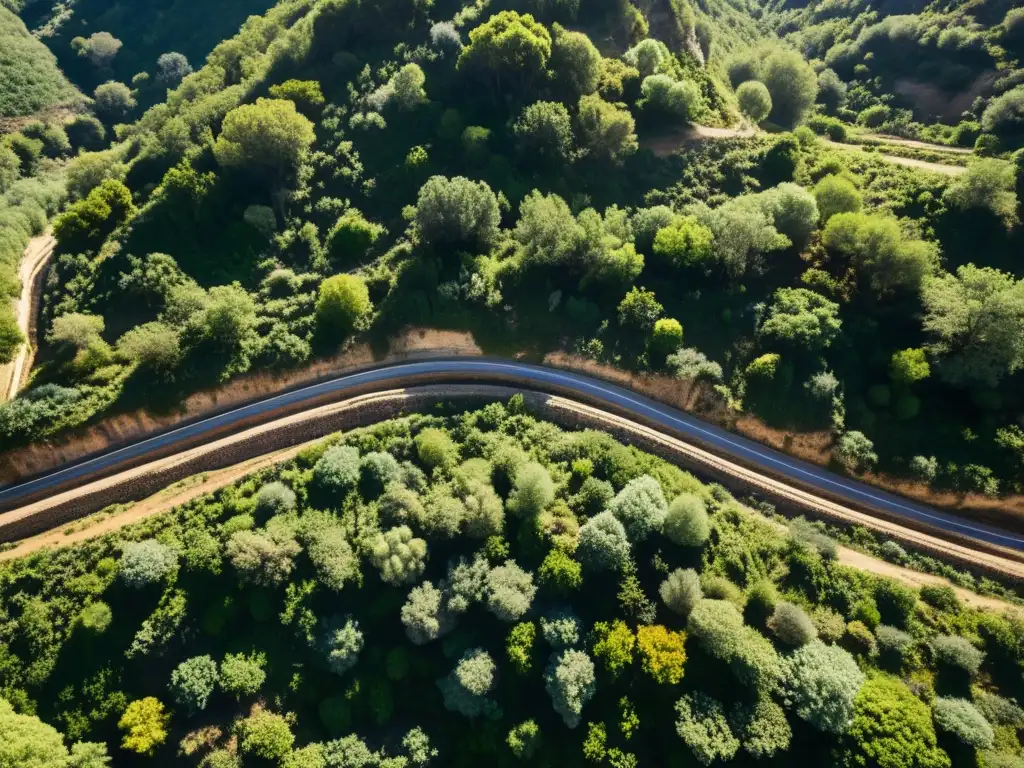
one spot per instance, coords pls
(544, 379)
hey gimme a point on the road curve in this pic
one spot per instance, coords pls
(810, 476)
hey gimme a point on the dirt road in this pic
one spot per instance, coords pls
(33, 266)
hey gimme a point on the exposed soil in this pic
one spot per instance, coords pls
(33, 266)
(915, 144)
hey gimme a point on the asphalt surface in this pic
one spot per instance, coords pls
(856, 494)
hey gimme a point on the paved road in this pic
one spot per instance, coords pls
(540, 378)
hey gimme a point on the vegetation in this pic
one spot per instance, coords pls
(307, 616)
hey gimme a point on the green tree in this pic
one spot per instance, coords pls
(878, 249)
(306, 94)
(575, 63)
(668, 99)
(962, 719)
(792, 83)
(27, 742)
(666, 338)
(975, 319)
(754, 100)
(662, 653)
(85, 224)
(802, 318)
(193, 681)
(613, 645)
(603, 544)
(242, 675)
(145, 725)
(891, 728)
(569, 681)
(836, 194)
(987, 184)
(510, 50)
(265, 735)
(544, 131)
(453, 212)
(400, 558)
(605, 131)
(685, 242)
(113, 100)
(703, 727)
(686, 522)
(435, 448)
(681, 591)
(154, 346)
(640, 506)
(639, 310)
(560, 572)
(343, 305)
(351, 237)
(146, 562)
(908, 366)
(855, 451)
(465, 689)
(519, 646)
(524, 739)
(532, 490)
(267, 139)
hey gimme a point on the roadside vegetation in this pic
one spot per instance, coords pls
(447, 589)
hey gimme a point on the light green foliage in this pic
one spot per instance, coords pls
(821, 684)
(193, 681)
(662, 653)
(605, 131)
(466, 583)
(743, 231)
(544, 130)
(639, 310)
(957, 653)
(640, 506)
(762, 729)
(879, 251)
(451, 212)
(27, 742)
(595, 745)
(603, 544)
(836, 194)
(407, 91)
(987, 184)
(519, 646)
(754, 100)
(85, 223)
(703, 727)
(575, 62)
(510, 49)
(892, 728)
(681, 591)
(351, 237)
(342, 642)
(263, 557)
(962, 719)
(802, 318)
(145, 725)
(400, 558)
(792, 83)
(510, 591)
(242, 676)
(96, 617)
(343, 305)
(155, 346)
(305, 93)
(30, 79)
(547, 232)
(424, 615)
(1004, 115)
(908, 366)
(267, 138)
(975, 319)
(569, 681)
(561, 629)
(532, 490)
(684, 242)
(613, 645)
(793, 211)
(465, 689)
(669, 99)
(113, 100)
(649, 56)
(146, 562)
(435, 448)
(76, 331)
(524, 739)
(791, 624)
(560, 572)
(686, 522)
(337, 470)
(265, 735)
(666, 337)
(327, 546)
(274, 498)
(718, 626)
(855, 451)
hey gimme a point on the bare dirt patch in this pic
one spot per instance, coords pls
(30, 272)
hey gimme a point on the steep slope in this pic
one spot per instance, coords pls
(30, 80)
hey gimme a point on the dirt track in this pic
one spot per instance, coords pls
(33, 265)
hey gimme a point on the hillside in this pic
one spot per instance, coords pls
(484, 586)
(30, 80)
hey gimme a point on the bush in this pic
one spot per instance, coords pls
(452, 212)
(640, 507)
(762, 729)
(273, 499)
(436, 449)
(561, 629)
(891, 728)
(754, 100)
(343, 305)
(821, 683)
(351, 237)
(791, 625)
(524, 739)
(145, 725)
(265, 735)
(961, 719)
(681, 591)
(560, 572)
(668, 99)
(337, 470)
(424, 615)
(603, 544)
(894, 645)
(957, 653)
(193, 681)
(792, 83)
(532, 490)
(684, 242)
(400, 558)
(465, 689)
(702, 725)
(686, 522)
(95, 617)
(342, 643)
(836, 194)
(146, 562)
(662, 653)
(510, 591)
(941, 596)
(241, 675)
(569, 681)
(855, 451)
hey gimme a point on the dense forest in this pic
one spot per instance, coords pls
(484, 586)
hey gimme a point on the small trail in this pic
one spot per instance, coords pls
(33, 266)
(915, 144)
(665, 145)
